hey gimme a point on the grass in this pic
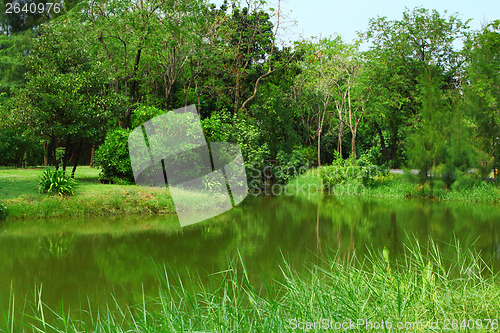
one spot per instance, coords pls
(424, 288)
(395, 186)
(19, 192)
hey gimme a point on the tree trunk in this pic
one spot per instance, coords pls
(92, 153)
(353, 144)
(319, 148)
(66, 153)
(382, 141)
(339, 144)
(46, 153)
(54, 147)
(394, 148)
(76, 159)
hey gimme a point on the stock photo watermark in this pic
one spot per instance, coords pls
(390, 325)
(206, 179)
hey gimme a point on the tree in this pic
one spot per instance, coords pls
(400, 53)
(144, 46)
(483, 89)
(329, 81)
(62, 101)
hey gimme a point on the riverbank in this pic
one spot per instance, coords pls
(19, 192)
(393, 185)
(423, 291)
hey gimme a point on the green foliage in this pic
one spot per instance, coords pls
(440, 144)
(55, 182)
(240, 129)
(401, 52)
(144, 113)
(293, 164)
(483, 92)
(12, 52)
(113, 156)
(18, 149)
(439, 188)
(350, 171)
(3, 211)
(410, 100)
(464, 181)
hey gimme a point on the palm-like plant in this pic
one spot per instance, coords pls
(55, 182)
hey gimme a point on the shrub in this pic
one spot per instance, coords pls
(113, 157)
(423, 190)
(221, 126)
(357, 172)
(55, 182)
(294, 163)
(3, 211)
(464, 181)
(439, 188)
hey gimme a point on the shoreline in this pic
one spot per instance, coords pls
(19, 192)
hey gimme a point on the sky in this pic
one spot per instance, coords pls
(345, 17)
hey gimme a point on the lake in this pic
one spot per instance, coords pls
(76, 262)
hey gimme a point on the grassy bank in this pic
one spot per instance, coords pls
(399, 186)
(425, 288)
(19, 192)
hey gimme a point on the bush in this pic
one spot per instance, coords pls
(3, 211)
(350, 171)
(439, 189)
(294, 163)
(221, 126)
(55, 182)
(464, 181)
(113, 157)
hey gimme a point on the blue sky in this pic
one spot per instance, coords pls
(345, 17)
(315, 17)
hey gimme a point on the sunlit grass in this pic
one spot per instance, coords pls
(19, 192)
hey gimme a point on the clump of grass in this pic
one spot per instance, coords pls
(479, 192)
(425, 286)
(55, 182)
(393, 186)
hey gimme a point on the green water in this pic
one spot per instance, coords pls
(81, 261)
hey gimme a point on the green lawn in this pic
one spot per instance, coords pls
(19, 192)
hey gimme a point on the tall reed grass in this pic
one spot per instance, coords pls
(425, 286)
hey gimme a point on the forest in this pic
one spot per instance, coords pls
(421, 92)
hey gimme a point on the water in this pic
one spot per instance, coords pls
(77, 262)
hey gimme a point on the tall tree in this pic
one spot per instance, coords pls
(399, 54)
(329, 81)
(63, 100)
(483, 89)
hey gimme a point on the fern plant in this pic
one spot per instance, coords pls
(55, 182)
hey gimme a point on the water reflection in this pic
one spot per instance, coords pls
(92, 258)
